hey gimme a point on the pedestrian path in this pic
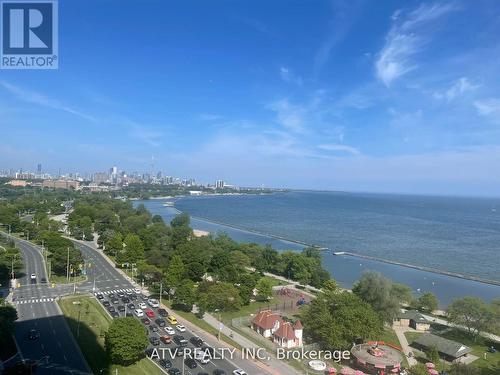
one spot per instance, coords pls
(34, 300)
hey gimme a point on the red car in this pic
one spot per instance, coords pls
(146, 321)
(149, 313)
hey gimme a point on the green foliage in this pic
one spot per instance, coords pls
(8, 315)
(418, 369)
(336, 320)
(427, 302)
(432, 354)
(462, 369)
(185, 295)
(264, 289)
(472, 313)
(402, 293)
(175, 272)
(378, 292)
(125, 341)
(220, 296)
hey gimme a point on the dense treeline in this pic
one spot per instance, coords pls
(29, 216)
(171, 254)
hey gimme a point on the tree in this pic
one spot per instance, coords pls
(134, 249)
(418, 369)
(125, 341)
(428, 302)
(220, 296)
(432, 354)
(264, 289)
(115, 244)
(336, 320)
(8, 315)
(181, 220)
(175, 272)
(470, 312)
(377, 291)
(185, 295)
(402, 293)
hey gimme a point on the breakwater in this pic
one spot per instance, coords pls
(420, 268)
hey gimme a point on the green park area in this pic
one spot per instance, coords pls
(89, 322)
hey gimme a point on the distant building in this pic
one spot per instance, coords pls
(39, 169)
(273, 326)
(61, 184)
(450, 350)
(413, 319)
(101, 178)
(219, 184)
(17, 183)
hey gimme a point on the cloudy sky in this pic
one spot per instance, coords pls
(341, 95)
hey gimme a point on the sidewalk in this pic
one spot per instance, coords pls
(400, 333)
(273, 363)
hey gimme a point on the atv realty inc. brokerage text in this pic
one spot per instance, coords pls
(250, 353)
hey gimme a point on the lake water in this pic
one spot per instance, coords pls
(459, 235)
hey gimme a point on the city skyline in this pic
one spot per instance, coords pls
(353, 96)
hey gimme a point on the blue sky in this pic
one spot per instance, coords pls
(341, 95)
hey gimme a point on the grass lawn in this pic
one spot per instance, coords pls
(252, 308)
(488, 366)
(94, 322)
(388, 335)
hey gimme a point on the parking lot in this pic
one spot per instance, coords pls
(161, 326)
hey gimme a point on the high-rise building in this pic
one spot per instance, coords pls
(39, 169)
(219, 184)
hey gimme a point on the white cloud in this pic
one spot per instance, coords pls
(288, 76)
(42, 100)
(290, 116)
(408, 36)
(340, 148)
(458, 88)
(488, 107)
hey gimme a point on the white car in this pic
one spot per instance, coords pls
(137, 291)
(129, 292)
(139, 313)
(153, 302)
(169, 330)
(180, 328)
(33, 276)
(142, 305)
(239, 371)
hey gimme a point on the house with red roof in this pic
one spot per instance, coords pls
(273, 326)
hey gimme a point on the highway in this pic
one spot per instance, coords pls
(55, 350)
(109, 280)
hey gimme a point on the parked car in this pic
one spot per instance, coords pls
(111, 309)
(115, 314)
(125, 300)
(111, 295)
(105, 303)
(153, 302)
(149, 313)
(120, 294)
(33, 334)
(171, 319)
(153, 328)
(99, 296)
(239, 371)
(154, 340)
(191, 363)
(196, 341)
(139, 313)
(180, 328)
(163, 313)
(129, 292)
(219, 371)
(142, 305)
(174, 371)
(121, 308)
(180, 340)
(137, 291)
(146, 321)
(169, 330)
(166, 339)
(160, 322)
(114, 301)
(131, 306)
(128, 313)
(165, 363)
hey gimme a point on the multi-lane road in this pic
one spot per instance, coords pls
(55, 349)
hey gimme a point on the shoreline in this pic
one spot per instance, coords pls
(351, 254)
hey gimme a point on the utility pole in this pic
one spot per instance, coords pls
(67, 267)
(161, 290)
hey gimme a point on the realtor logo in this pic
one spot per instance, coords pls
(28, 34)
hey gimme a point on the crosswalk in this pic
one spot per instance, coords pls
(115, 291)
(35, 300)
